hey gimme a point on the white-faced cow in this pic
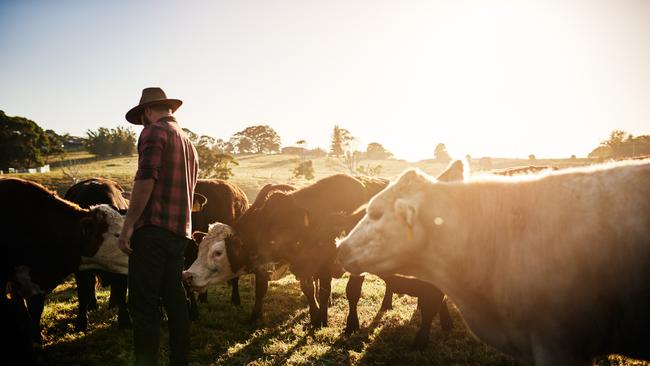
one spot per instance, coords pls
(45, 238)
(224, 202)
(88, 193)
(551, 269)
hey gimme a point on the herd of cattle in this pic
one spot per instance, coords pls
(549, 267)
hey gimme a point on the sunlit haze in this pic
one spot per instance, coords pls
(487, 78)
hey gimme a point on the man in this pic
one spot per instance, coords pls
(157, 227)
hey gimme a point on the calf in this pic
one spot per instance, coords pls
(551, 269)
(45, 239)
(86, 193)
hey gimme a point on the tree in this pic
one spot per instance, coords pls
(263, 139)
(620, 145)
(116, 141)
(341, 139)
(532, 157)
(54, 145)
(304, 169)
(22, 142)
(441, 155)
(213, 161)
(122, 141)
(376, 151)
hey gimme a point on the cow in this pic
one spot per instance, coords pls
(46, 238)
(550, 268)
(224, 202)
(211, 253)
(87, 193)
(306, 243)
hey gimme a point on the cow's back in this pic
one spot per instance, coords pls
(40, 231)
(225, 203)
(332, 194)
(96, 191)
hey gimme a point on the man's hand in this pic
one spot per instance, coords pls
(124, 241)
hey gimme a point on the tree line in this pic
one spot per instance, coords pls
(24, 144)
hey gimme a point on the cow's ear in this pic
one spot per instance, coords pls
(406, 210)
(198, 236)
(455, 172)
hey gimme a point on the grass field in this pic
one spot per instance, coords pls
(224, 336)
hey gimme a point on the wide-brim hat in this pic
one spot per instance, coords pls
(151, 96)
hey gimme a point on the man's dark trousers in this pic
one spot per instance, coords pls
(155, 268)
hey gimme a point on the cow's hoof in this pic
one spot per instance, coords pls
(81, 325)
(420, 342)
(256, 319)
(235, 302)
(92, 305)
(124, 322)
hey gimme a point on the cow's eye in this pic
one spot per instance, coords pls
(374, 215)
(116, 235)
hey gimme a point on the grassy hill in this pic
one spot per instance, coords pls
(253, 171)
(223, 334)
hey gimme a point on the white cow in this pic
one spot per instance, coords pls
(552, 269)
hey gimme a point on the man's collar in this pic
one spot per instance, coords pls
(167, 119)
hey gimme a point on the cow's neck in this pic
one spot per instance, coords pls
(474, 261)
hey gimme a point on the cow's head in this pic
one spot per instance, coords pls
(102, 230)
(282, 225)
(212, 264)
(393, 232)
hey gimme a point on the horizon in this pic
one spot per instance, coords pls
(500, 78)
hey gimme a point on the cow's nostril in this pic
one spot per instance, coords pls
(187, 276)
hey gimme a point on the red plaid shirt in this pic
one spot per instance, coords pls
(167, 155)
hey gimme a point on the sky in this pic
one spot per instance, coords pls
(498, 78)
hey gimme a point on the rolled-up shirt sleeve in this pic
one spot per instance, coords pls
(150, 152)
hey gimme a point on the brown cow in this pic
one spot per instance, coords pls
(308, 245)
(45, 238)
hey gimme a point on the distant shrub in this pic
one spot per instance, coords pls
(370, 171)
(304, 169)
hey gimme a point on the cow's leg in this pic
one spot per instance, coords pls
(261, 287)
(387, 301)
(324, 292)
(192, 307)
(307, 287)
(445, 319)
(85, 289)
(234, 294)
(35, 305)
(353, 293)
(203, 297)
(428, 306)
(119, 284)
